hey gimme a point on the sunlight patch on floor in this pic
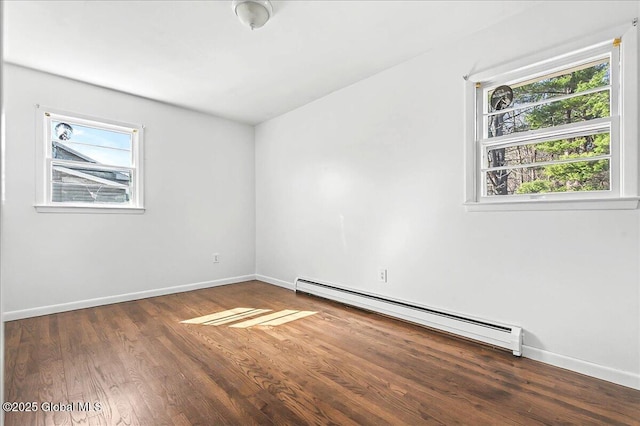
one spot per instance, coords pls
(237, 314)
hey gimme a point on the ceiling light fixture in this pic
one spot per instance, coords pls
(253, 13)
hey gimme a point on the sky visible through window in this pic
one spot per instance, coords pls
(104, 146)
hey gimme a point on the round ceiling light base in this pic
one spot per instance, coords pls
(252, 13)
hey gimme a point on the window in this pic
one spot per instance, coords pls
(554, 132)
(88, 163)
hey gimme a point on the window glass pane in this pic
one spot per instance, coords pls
(568, 177)
(575, 80)
(563, 149)
(573, 110)
(78, 185)
(90, 145)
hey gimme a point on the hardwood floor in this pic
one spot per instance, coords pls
(338, 366)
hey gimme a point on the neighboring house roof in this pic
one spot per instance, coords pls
(63, 152)
(84, 183)
(70, 152)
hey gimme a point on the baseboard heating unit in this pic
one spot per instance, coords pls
(500, 335)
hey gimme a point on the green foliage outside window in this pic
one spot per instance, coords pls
(576, 176)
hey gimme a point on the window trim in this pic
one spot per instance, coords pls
(44, 163)
(624, 162)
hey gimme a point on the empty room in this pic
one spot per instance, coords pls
(320, 212)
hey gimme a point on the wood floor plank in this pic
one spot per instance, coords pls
(342, 392)
(339, 366)
(12, 345)
(468, 373)
(23, 364)
(413, 389)
(51, 387)
(482, 398)
(251, 364)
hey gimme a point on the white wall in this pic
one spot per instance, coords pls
(1, 213)
(372, 176)
(199, 199)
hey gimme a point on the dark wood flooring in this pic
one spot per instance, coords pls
(340, 366)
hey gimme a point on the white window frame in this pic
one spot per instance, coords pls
(45, 161)
(622, 124)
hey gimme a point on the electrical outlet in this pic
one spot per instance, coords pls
(216, 258)
(382, 275)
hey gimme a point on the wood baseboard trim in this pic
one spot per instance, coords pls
(107, 300)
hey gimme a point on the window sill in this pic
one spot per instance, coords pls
(41, 208)
(627, 203)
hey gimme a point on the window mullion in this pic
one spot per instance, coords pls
(597, 125)
(549, 163)
(549, 100)
(91, 166)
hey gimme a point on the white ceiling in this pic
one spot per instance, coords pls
(196, 54)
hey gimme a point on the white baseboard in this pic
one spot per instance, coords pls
(584, 367)
(275, 281)
(89, 303)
